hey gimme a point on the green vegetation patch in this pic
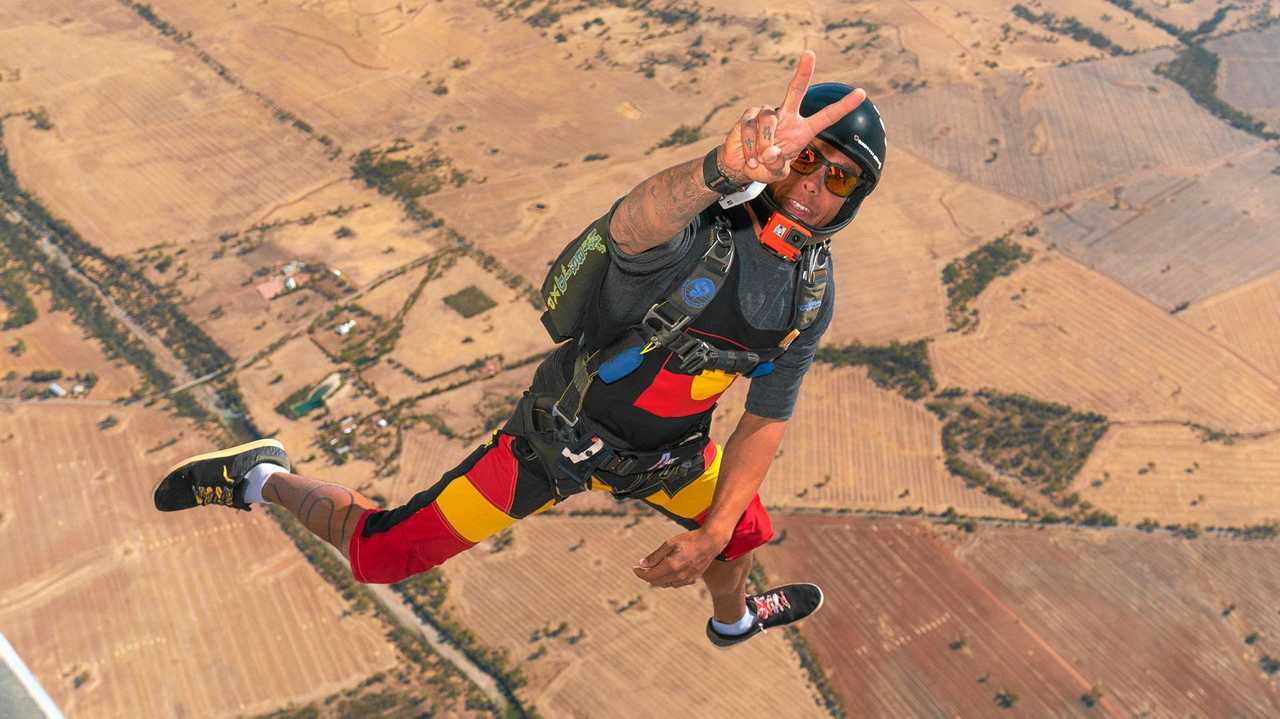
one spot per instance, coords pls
(901, 367)
(470, 301)
(1038, 444)
(1072, 28)
(13, 294)
(1196, 69)
(395, 171)
(967, 277)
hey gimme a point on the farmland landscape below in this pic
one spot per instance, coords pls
(1035, 464)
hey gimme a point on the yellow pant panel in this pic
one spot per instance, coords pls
(695, 498)
(469, 513)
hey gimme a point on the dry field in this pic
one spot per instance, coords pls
(853, 445)
(148, 145)
(437, 338)
(1160, 623)
(55, 342)
(475, 410)
(1208, 483)
(1176, 238)
(641, 652)
(1045, 135)
(425, 457)
(1045, 614)
(382, 240)
(888, 263)
(1246, 320)
(1188, 14)
(113, 594)
(1059, 332)
(896, 598)
(1246, 76)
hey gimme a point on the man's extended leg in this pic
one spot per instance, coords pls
(330, 511)
(491, 489)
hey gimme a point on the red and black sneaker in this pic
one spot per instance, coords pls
(216, 477)
(775, 608)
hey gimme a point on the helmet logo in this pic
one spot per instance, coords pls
(874, 156)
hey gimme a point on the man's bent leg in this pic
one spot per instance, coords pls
(330, 511)
(727, 582)
(487, 493)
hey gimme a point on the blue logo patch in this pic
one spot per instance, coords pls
(697, 292)
(810, 305)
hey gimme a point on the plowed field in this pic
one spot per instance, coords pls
(919, 623)
(1249, 64)
(1048, 134)
(632, 637)
(1058, 332)
(1208, 483)
(1247, 320)
(147, 144)
(138, 606)
(1175, 238)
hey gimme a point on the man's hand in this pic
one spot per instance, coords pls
(761, 146)
(680, 560)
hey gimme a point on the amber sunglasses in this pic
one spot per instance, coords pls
(840, 180)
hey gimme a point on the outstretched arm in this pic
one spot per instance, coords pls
(759, 148)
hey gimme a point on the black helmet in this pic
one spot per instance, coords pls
(859, 134)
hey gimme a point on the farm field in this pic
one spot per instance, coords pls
(1158, 624)
(55, 342)
(1246, 75)
(889, 261)
(437, 337)
(1170, 474)
(1185, 608)
(1177, 239)
(1246, 320)
(1058, 332)
(852, 445)
(576, 570)
(1052, 133)
(1189, 14)
(133, 117)
(95, 548)
(475, 410)
(896, 599)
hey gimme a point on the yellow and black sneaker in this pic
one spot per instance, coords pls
(216, 477)
(775, 608)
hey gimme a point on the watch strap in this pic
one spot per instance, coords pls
(714, 179)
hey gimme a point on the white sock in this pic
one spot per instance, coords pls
(739, 627)
(257, 480)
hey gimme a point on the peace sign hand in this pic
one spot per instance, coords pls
(765, 140)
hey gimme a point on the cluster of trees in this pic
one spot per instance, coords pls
(897, 366)
(1196, 69)
(1072, 27)
(967, 277)
(13, 293)
(1041, 443)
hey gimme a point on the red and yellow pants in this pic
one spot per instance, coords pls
(492, 489)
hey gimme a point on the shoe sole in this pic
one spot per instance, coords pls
(230, 452)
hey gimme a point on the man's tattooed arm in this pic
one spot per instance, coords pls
(660, 207)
